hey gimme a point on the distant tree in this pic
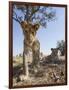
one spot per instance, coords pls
(34, 15)
(16, 55)
(61, 46)
(41, 55)
(20, 55)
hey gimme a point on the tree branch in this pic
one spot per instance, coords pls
(34, 12)
(27, 12)
(16, 20)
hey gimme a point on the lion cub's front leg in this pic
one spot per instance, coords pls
(36, 52)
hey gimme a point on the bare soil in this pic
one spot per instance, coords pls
(49, 73)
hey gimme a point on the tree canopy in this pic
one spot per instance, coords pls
(33, 14)
(61, 46)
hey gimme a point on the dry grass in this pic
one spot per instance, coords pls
(48, 73)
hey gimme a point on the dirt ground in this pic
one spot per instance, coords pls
(49, 73)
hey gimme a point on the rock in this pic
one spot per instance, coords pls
(55, 77)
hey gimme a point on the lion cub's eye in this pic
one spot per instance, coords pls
(33, 33)
(26, 31)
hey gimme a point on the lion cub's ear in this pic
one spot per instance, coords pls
(36, 27)
(23, 24)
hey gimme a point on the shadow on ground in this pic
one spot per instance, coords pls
(50, 72)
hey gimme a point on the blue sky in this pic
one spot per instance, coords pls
(48, 36)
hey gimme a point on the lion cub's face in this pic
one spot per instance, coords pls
(54, 51)
(29, 31)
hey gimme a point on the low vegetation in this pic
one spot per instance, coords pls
(48, 73)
